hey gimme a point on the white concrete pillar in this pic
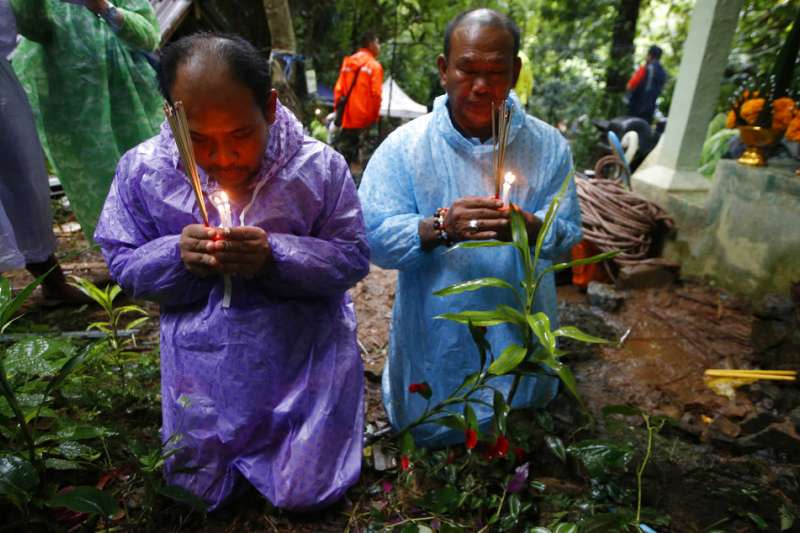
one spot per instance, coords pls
(673, 164)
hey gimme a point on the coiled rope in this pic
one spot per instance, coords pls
(615, 218)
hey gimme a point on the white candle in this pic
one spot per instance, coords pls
(223, 205)
(508, 179)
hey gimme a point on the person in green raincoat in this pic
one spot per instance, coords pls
(94, 93)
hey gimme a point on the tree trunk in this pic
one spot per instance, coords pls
(279, 19)
(621, 60)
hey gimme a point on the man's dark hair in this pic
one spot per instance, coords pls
(655, 52)
(482, 17)
(247, 65)
(367, 38)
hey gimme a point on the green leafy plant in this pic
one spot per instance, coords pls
(603, 458)
(118, 346)
(149, 465)
(539, 341)
(31, 372)
(537, 349)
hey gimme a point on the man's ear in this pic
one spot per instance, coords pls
(441, 62)
(517, 67)
(272, 102)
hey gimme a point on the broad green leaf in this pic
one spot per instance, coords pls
(91, 290)
(787, 518)
(568, 379)
(469, 381)
(540, 530)
(83, 433)
(101, 326)
(519, 234)
(6, 292)
(27, 358)
(114, 292)
(478, 244)
(11, 398)
(511, 357)
(473, 285)
(550, 217)
(501, 411)
(602, 457)
(133, 324)
(407, 443)
(453, 421)
(624, 410)
(27, 403)
(441, 501)
(476, 318)
(73, 363)
(566, 527)
(86, 500)
(574, 333)
(470, 417)
(479, 337)
(757, 520)
(558, 267)
(511, 315)
(540, 325)
(76, 450)
(10, 306)
(18, 479)
(56, 463)
(183, 496)
(555, 445)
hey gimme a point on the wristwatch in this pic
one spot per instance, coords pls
(111, 16)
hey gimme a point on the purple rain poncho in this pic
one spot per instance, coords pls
(269, 389)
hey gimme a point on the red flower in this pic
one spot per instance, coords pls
(423, 389)
(471, 438)
(519, 453)
(500, 447)
(405, 464)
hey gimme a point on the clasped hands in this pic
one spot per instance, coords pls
(243, 251)
(478, 218)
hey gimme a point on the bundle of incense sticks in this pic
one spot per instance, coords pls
(775, 375)
(176, 117)
(501, 121)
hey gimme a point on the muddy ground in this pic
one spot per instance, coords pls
(718, 454)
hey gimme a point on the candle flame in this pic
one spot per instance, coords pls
(509, 178)
(219, 198)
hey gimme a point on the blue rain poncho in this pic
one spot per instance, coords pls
(269, 389)
(428, 164)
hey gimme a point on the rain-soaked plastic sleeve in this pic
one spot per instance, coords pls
(333, 259)
(144, 264)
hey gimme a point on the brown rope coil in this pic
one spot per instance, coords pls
(615, 218)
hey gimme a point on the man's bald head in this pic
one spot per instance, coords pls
(208, 54)
(482, 17)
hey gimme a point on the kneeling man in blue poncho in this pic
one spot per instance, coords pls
(444, 160)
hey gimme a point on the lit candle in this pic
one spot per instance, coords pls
(508, 179)
(223, 205)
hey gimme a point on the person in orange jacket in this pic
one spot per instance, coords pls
(361, 76)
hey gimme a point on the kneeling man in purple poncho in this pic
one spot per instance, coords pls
(260, 372)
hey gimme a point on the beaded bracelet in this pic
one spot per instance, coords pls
(438, 225)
